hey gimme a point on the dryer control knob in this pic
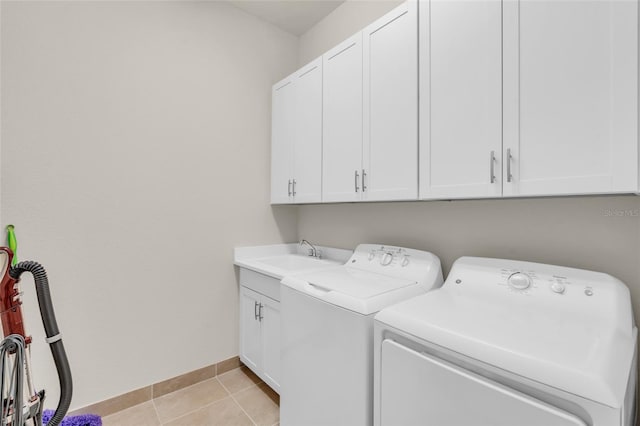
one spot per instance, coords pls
(519, 280)
(387, 258)
(558, 288)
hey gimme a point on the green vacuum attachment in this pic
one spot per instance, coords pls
(12, 242)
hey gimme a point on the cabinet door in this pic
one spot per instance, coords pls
(570, 97)
(307, 147)
(282, 133)
(271, 342)
(390, 52)
(342, 121)
(250, 335)
(461, 99)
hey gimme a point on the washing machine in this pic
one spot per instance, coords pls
(506, 343)
(327, 331)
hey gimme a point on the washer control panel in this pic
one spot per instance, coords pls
(401, 262)
(389, 256)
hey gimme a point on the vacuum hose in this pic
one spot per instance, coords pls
(52, 332)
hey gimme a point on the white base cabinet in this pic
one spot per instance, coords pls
(260, 328)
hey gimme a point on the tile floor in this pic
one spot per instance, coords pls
(237, 397)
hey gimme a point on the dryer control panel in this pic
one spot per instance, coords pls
(527, 284)
(529, 280)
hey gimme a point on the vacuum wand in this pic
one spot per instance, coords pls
(13, 324)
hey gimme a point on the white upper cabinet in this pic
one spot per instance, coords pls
(282, 134)
(570, 97)
(342, 121)
(390, 99)
(296, 142)
(446, 99)
(461, 99)
(307, 146)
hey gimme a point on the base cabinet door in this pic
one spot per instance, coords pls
(461, 99)
(570, 97)
(260, 335)
(250, 330)
(271, 342)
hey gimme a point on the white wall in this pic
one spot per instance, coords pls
(598, 233)
(135, 156)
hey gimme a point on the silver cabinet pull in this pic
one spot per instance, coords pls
(509, 157)
(256, 315)
(260, 313)
(364, 186)
(357, 178)
(289, 188)
(492, 172)
(294, 188)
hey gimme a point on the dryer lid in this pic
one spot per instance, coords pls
(581, 341)
(354, 289)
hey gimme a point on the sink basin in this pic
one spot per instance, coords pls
(279, 260)
(295, 262)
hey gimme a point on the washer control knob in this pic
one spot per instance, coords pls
(405, 261)
(519, 280)
(387, 258)
(558, 287)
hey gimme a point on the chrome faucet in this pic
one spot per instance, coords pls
(313, 251)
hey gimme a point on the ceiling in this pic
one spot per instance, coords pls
(293, 16)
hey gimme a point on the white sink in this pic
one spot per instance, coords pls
(287, 259)
(295, 262)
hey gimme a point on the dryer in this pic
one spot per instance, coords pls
(327, 331)
(506, 343)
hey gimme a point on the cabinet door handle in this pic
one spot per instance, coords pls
(364, 186)
(493, 162)
(357, 178)
(289, 188)
(256, 315)
(294, 188)
(260, 312)
(509, 157)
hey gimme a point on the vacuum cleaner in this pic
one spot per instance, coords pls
(22, 403)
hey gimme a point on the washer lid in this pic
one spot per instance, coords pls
(354, 289)
(581, 341)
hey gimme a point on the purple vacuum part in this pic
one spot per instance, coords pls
(79, 420)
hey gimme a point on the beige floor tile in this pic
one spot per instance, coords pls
(138, 415)
(224, 412)
(181, 402)
(238, 379)
(258, 405)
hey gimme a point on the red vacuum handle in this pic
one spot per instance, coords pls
(10, 301)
